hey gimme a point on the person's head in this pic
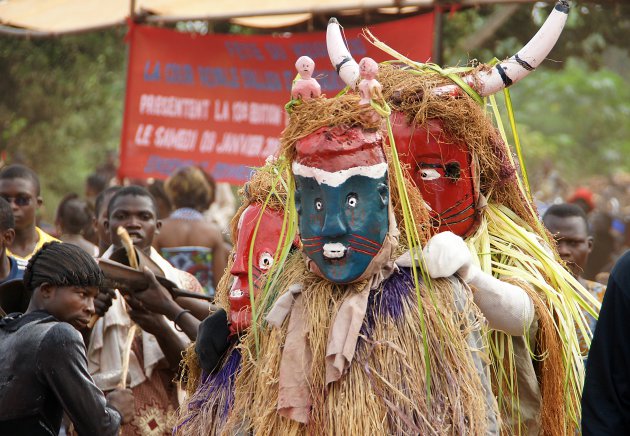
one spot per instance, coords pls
(443, 170)
(212, 183)
(94, 185)
(64, 281)
(583, 197)
(262, 238)
(188, 187)
(569, 227)
(7, 224)
(164, 206)
(73, 215)
(133, 208)
(100, 215)
(19, 186)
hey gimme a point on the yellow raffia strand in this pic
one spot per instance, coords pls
(250, 276)
(517, 143)
(516, 252)
(452, 73)
(287, 234)
(413, 240)
(525, 190)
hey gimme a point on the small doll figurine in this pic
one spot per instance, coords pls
(369, 87)
(305, 87)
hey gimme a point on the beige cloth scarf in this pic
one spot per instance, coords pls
(294, 397)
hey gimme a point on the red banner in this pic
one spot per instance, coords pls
(218, 100)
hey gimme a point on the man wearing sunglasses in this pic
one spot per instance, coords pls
(20, 187)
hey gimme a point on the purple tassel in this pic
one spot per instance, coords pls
(212, 386)
(388, 302)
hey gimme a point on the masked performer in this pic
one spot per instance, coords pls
(463, 169)
(258, 224)
(352, 343)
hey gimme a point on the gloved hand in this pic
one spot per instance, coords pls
(506, 307)
(446, 254)
(212, 340)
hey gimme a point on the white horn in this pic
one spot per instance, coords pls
(508, 72)
(340, 56)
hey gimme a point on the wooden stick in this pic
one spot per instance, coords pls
(92, 321)
(126, 355)
(133, 262)
(128, 244)
(131, 255)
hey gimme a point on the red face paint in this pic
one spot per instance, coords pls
(443, 171)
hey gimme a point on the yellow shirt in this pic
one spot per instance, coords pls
(43, 238)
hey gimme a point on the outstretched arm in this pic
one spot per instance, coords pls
(158, 300)
(62, 366)
(506, 307)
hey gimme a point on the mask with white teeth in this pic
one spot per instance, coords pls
(342, 199)
(264, 248)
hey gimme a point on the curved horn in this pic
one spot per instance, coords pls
(517, 67)
(340, 56)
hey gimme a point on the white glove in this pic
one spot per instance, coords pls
(446, 254)
(506, 307)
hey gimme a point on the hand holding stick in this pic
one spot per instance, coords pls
(131, 255)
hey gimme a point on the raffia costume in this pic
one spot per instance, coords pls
(537, 374)
(375, 356)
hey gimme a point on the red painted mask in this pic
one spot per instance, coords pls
(265, 247)
(443, 171)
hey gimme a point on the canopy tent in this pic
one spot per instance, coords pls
(54, 17)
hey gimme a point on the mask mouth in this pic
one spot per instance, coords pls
(334, 250)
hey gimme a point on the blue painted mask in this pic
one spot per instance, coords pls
(342, 199)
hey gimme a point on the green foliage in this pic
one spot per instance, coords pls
(61, 106)
(572, 112)
(576, 118)
(594, 29)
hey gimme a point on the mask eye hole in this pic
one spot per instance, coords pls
(265, 261)
(452, 171)
(429, 174)
(319, 205)
(352, 200)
